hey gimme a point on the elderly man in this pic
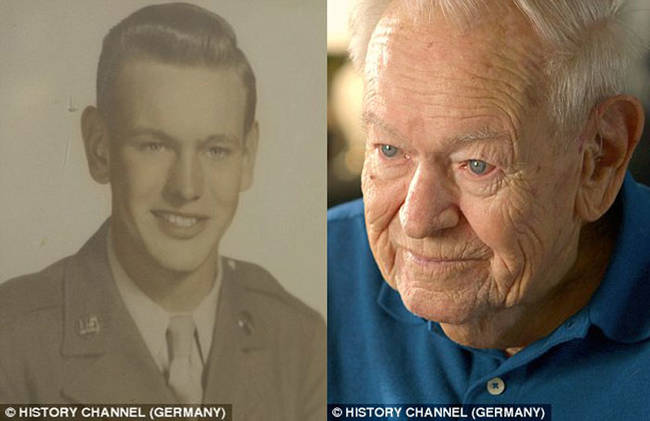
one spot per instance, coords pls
(499, 254)
(148, 310)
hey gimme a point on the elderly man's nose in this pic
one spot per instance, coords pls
(429, 206)
(185, 181)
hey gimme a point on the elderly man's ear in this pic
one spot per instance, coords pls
(96, 142)
(613, 132)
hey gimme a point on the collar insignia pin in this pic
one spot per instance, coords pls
(88, 325)
(245, 322)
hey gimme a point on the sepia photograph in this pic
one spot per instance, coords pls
(162, 234)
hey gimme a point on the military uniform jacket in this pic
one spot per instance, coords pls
(66, 336)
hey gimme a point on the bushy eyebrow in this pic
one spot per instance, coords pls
(162, 135)
(484, 133)
(369, 118)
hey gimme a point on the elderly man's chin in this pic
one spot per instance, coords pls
(455, 293)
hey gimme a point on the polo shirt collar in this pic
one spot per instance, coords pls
(621, 305)
(390, 300)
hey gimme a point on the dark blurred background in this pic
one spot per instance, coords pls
(345, 135)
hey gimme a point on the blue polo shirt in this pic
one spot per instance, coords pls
(596, 365)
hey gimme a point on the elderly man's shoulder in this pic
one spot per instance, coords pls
(345, 225)
(352, 274)
(345, 211)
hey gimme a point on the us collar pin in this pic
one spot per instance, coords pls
(88, 325)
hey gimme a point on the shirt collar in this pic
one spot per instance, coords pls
(620, 305)
(152, 320)
(391, 302)
(206, 313)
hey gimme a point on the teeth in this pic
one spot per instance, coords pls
(180, 221)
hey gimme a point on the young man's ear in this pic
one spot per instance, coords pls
(249, 154)
(614, 132)
(96, 143)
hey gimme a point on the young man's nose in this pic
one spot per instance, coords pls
(185, 182)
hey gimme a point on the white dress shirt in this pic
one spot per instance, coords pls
(152, 320)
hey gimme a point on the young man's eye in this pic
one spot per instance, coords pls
(218, 152)
(152, 146)
(389, 151)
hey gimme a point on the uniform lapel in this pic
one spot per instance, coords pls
(238, 370)
(106, 360)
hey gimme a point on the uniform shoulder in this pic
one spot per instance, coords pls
(259, 281)
(346, 211)
(28, 293)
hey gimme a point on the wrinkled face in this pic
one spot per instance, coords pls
(469, 197)
(179, 158)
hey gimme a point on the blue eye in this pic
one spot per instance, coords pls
(389, 151)
(476, 166)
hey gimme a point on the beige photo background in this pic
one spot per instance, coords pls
(49, 204)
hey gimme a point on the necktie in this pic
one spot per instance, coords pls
(184, 378)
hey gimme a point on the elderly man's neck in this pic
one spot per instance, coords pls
(514, 328)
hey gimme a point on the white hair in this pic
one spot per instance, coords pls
(589, 48)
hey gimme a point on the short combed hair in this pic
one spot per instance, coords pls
(174, 33)
(588, 46)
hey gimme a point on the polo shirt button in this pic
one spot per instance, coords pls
(496, 386)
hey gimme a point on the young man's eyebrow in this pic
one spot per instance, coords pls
(162, 135)
(147, 131)
(221, 138)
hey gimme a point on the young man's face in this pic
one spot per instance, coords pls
(179, 156)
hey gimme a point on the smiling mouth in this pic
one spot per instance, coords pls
(178, 220)
(436, 260)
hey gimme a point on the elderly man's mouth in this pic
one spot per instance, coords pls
(437, 261)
